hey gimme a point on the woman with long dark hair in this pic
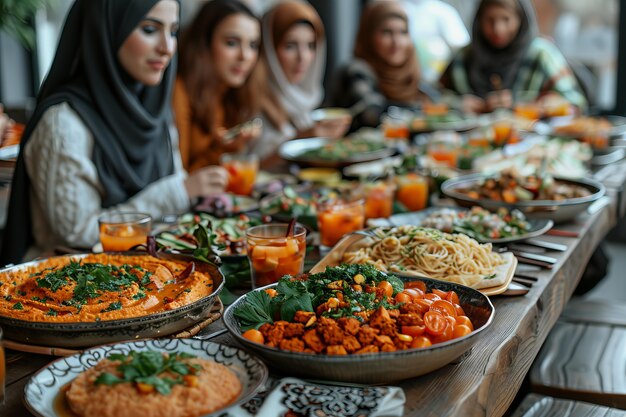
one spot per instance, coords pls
(215, 90)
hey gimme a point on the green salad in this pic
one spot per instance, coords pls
(342, 149)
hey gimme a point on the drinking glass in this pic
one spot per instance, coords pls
(412, 191)
(338, 217)
(120, 231)
(444, 147)
(378, 199)
(242, 170)
(273, 254)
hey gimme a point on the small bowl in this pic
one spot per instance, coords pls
(374, 368)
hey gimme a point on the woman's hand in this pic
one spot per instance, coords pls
(332, 128)
(501, 99)
(206, 181)
(472, 104)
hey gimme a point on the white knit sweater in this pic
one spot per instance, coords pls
(66, 192)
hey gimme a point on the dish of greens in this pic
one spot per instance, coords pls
(226, 235)
(342, 149)
(333, 153)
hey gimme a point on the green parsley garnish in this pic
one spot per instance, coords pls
(147, 368)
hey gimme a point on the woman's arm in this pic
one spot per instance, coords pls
(65, 184)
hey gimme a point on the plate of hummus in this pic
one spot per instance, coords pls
(150, 378)
(91, 299)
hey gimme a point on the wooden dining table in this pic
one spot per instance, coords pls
(486, 379)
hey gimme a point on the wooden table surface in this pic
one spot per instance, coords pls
(485, 381)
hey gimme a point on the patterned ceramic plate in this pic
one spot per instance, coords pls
(43, 388)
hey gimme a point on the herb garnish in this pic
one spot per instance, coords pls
(115, 305)
(18, 306)
(92, 280)
(294, 295)
(146, 368)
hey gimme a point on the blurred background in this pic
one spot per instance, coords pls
(586, 32)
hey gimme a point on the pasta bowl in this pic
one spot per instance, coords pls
(374, 368)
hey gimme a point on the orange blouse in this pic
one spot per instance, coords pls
(198, 148)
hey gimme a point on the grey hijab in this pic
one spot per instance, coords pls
(129, 122)
(483, 60)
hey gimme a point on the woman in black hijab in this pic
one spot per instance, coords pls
(507, 57)
(100, 139)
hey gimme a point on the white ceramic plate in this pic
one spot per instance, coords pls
(42, 389)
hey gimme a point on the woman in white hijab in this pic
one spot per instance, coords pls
(293, 54)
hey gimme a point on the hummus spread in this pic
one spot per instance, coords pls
(99, 287)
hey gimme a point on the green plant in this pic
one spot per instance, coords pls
(16, 18)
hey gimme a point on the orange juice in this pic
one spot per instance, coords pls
(396, 131)
(379, 201)
(338, 218)
(502, 132)
(272, 254)
(446, 152)
(241, 176)
(478, 142)
(122, 231)
(530, 111)
(435, 109)
(412, 192)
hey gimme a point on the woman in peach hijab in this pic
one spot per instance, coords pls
(385, 70)
(293, 56)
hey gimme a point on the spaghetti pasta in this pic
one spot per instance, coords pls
(420, 251)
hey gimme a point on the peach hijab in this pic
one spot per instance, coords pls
(397, 83)
(296, 100)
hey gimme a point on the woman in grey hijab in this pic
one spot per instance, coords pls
(506, 57)
(100, 139)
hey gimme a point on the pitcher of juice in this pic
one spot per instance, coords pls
(412, 191)
(242, 170)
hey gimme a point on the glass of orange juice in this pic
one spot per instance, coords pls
(444, 147)
(481, 137)
(338, 217)
(242, 170)
(412, 191)
(526, 105)
(273, 254)
(379, 199)
(120, 231)
(395, 128)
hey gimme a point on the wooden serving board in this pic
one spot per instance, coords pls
(214, 314)
(334, 257)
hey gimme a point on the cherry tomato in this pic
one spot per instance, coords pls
(445, 335)
(464, 320)
(416, 294)
(459, 310)
(435, 322)
(414, 331)
(452, 297)
(442, 294)
(419, 285)
(444, 307)
(386, 287)
(271, 292)
(403, 297)
(421, 342)
(461, 330)
(423, 305)
(254, 336)
(432, 296)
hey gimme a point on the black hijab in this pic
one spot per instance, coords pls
(484, 60)
(129, 121)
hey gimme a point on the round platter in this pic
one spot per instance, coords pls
(85, 334)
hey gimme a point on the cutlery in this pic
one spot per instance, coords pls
(527, 268)
(210, 335)
(231, 134)
(529, 277)
(546, 245)
(515, 289)
(523, 281)
(562, 233)
(535, 256)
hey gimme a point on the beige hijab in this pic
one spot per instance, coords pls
(397, 83)
(292, 102)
